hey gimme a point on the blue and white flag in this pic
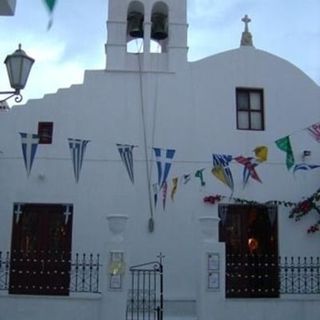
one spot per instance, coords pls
(221, 169)
(29, 143)
(164, 161)
(305, 167)
(77, 148)
(127, 158)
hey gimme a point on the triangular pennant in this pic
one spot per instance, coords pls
(285, 145)
(29, 143)
(155, 194)
(249, 169)
(314, 131)
(261, 153)
(77, 148)
(305, 167)
(127, 158)
(164, 194)
(50, 4)
(164, 161)
(174, 187)
(186, 178)
(199, 174)
(221, 169)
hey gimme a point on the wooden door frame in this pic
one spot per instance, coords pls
(250, 274)
(39, 270)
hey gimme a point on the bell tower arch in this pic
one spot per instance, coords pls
(163, 22)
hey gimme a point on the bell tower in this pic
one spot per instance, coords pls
(148, 22)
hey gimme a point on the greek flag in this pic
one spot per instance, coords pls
(221, 169)
(164, 160)
(77, 148)
(126, 157)
(29, 143)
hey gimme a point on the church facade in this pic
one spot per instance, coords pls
(161, 188)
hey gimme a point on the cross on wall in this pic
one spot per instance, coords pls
(18, 212)
(67, 213)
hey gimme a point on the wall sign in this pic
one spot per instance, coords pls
(116, 269)
(213, 271)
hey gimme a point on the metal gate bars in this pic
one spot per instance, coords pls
(145, 300)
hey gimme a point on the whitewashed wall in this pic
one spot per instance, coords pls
(192, 111)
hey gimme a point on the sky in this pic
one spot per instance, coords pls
(75, 42)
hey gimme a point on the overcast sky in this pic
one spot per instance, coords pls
(287, 28)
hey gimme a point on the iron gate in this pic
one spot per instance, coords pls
(145, 300)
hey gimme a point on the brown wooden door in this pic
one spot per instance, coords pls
(41, 249)
(250, 234)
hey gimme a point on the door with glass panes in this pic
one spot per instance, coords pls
(41, 249)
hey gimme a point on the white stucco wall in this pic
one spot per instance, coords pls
(192, 111)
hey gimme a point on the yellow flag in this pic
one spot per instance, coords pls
(174, 187)
(261, 153)
(219, 173)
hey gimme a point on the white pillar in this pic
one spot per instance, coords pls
(211, 272)
(115, 274)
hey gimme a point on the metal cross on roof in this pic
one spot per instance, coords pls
(246, 37)
(246, 21)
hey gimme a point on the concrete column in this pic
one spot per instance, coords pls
(115, 274)
(211, 271)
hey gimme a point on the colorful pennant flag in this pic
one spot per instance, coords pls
(29, 143)
(261, 153)
(155, 194)
(164, 194)
(305, 167)
(174, 187)
(314, 131)
(186, 178)
(285, 145)
(249, 169)
(127, 158)
(50, 4)
(164, 161)
(221, 169)
(77, 148)
(199, 174)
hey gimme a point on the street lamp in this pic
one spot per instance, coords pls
(18, 68)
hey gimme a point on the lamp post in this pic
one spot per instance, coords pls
(18, 68)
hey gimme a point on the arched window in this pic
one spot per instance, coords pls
(160, 25)
(135, 45)
(135, 28)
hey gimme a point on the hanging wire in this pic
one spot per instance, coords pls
(151, 219)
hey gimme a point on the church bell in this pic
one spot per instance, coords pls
(159, 29)
(135, 25)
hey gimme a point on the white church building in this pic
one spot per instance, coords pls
(162, 188)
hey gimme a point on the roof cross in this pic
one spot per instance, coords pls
(246, 21)
(246, 38)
